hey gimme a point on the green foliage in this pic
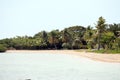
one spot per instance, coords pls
(2, 48)
(76, 44)
(66, 37)
(114, 28)
(66, 46)
(107, 39)
(89, 33)
(90, 37)
(90, 45)
(107, 51)
(101, 26)
(54, 38)
(76, 31)
(105, 36)
(116, 44)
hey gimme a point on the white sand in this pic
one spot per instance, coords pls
(55, 65)
(94, 56)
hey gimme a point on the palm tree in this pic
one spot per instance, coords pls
(66, 39)
(89, 36)
(101, 26)
(115, 28)
(44, 36)
(54, 38)
(65, 36)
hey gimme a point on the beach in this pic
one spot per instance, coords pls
(113, 58)
(58, 65)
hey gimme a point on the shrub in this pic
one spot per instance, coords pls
(2, 48)
(107, 51)
(66, 46)
(76, 44)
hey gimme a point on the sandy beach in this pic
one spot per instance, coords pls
(113, 58)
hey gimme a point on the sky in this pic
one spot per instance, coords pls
(28, 17)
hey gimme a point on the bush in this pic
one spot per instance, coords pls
(66, 46)
(76, 44)
(2, 48)
(107, 51)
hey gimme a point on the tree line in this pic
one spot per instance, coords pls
(103, 36)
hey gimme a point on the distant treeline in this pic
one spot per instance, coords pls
(103, 36)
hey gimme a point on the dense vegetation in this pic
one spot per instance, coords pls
(2, 48)
(103, 36)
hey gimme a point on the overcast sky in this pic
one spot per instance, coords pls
(28, 17)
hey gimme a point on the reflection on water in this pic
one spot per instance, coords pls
(55, 67)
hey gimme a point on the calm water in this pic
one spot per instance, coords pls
(55, 67)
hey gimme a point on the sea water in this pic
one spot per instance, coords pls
(46, 66)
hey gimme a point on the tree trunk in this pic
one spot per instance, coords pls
(55, 46)
(99, 36)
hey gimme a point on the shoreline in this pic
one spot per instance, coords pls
(111, 58)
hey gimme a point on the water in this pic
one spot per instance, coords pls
(33, 66)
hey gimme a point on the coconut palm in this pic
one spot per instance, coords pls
(65, 36)
(101, 26)
(115, 28)
(54, 38)
(89, 36)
